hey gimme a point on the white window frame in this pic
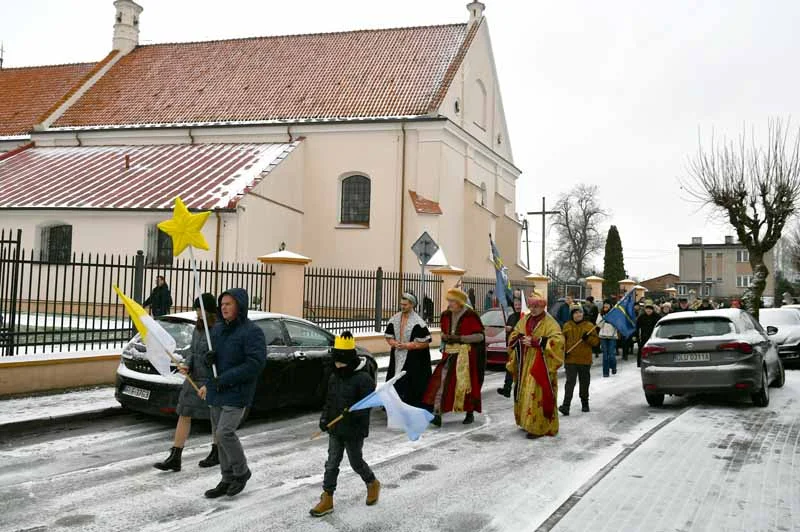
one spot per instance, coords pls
(742, 255)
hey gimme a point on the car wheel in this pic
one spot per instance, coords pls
(781, 378)
(761, 397)
(654, 399)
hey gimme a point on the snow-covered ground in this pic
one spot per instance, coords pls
(56, 405)
(99, 475)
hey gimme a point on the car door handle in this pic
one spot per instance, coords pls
(299, 355)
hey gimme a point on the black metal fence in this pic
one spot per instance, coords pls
(71, 306)
(364, 300)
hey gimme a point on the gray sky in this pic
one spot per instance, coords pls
(610, 93)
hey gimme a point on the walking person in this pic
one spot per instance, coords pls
(239, 354)
(409, 338)
(472, 298)
(456, 382)
(190, 405)
(536, 351)
(511, 322)
(349, 383)
(580, 336)
(608, 341)
(645, 324)
(160, 299)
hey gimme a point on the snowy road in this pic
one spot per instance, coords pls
(99, 475)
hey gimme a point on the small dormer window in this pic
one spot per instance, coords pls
(119, 17)
(499, 138)
(457, 106)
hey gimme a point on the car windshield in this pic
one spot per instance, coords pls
(179, 329)
(694, 328)
(776, 317)
(493, 318)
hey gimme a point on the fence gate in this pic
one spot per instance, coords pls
(10, 244)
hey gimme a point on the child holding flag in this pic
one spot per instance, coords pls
(349, 383)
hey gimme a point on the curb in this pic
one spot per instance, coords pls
(52, 421)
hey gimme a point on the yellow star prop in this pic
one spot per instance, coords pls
(185, 228)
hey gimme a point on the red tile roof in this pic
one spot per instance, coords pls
(356, 74)
(424, 205)
(205, 176)
(26, 93)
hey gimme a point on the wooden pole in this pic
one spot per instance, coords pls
(329, 425)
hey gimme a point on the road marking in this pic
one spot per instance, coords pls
(576, 497)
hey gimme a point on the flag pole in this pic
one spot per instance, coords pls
(329, 425)
(202, 306)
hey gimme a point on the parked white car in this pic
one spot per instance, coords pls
(787, 321)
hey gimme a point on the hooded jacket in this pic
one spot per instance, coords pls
(344, 390)
(241, 356)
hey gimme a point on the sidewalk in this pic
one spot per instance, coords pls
(41, 410)
(717, 466)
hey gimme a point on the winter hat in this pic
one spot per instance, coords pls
(455, 294)
(576, 308)
(209, 302)
(649, 303)
(344, 349)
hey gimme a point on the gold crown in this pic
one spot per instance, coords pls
(344, 343)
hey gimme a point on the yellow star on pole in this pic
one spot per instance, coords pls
(185, 228)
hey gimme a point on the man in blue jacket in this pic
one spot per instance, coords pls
(239, 354)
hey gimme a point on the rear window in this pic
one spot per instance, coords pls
(694, 328)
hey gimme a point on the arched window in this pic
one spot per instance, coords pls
(56, 243)
(355, 200)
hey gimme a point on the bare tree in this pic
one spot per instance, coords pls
(576, 225)
(756, 188)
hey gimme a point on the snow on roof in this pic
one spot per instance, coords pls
(205, 176)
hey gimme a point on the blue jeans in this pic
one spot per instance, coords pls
(609, 347)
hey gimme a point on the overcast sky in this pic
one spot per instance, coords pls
(610, 93)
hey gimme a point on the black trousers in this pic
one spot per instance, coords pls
(576, 372)
(336, 449)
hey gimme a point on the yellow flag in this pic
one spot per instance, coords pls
(158, 342)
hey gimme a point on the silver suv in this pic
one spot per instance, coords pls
(711, 351)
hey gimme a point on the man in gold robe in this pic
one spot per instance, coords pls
(536, 351)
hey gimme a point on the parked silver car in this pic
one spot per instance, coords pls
(787, 322)
(711, 351)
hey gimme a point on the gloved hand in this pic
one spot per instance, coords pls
(323, 426)
(211, 358)
(215, 380)
(543, 341)
(585, 336)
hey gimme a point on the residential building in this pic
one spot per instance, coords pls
(726, 266)
(343, 147)
(658, 285)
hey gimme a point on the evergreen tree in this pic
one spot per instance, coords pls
(613, 262)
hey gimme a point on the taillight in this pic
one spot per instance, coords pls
(742, 347)
(652, 350)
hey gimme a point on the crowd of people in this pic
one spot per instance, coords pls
(539, 342)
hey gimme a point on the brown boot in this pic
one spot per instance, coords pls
(373, 492)
(325, 505)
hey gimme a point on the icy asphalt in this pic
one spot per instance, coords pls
(711, 465)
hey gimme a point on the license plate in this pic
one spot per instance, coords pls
(133, 391)
(692, 357)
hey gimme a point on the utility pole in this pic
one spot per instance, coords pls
(543, 213)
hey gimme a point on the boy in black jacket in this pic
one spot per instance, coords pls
(349, 383)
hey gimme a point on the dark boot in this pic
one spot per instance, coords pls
(506, 392)
(173, 462)
(564, 409)
(219, 491)
(437, 420)
(238, 484)
(469, 419)
(212, 459)
(584, 405)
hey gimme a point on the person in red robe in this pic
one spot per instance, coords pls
(456, 382)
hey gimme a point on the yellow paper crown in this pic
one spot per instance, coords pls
(346, 342)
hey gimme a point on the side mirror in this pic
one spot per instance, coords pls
(771, 330)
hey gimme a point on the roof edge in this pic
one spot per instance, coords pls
(11, 153)
(455, 65)
(236, 198)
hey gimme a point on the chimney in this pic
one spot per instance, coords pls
(728, 240)
(475, 11)
(126, 27)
